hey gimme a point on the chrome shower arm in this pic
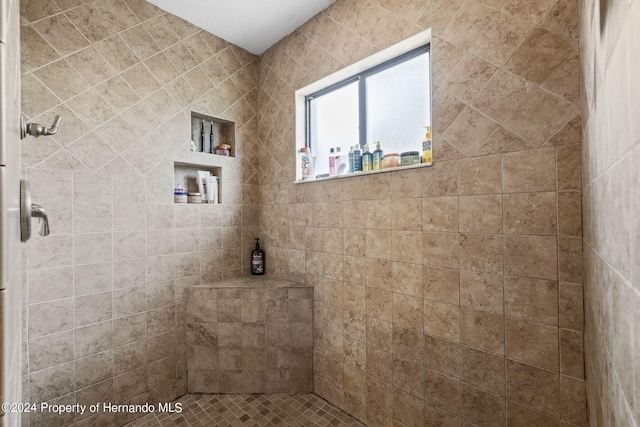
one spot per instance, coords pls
(35, 130)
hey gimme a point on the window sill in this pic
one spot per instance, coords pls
(354, 175)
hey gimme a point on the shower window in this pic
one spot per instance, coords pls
(389, 102)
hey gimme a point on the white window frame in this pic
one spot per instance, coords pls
(394, 51)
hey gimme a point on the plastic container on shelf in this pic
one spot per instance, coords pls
(223, 150)
(195, 197)
(409, 158)
(390, 160)
(180, 194)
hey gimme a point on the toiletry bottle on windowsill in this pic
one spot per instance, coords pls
(304, 157)
(351, 159)
(332, 162)
(367, 159)
(357, 159)
(377, 157)
(341, 161)
(427, 153)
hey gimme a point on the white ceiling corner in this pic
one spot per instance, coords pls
(254, 25)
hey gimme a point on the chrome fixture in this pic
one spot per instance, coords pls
(35, 130)
(38, 211)
(30, 210)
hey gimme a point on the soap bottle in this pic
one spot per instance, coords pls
(357, 159)
(427, 156)
(351, 160)
(332, 162)
(367, 159)
(257, 260)
(377, 156)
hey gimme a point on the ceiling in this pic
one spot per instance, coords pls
(254, 25)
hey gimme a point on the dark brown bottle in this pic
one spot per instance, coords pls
(257, 260)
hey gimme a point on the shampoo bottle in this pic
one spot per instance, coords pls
(357, 159)
(332, 162)
(427, 155)
(257, 260)
(351, 163)
(367, 159)
(377, 156)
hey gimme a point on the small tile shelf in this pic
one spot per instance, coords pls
(224, 132)
(186, 174)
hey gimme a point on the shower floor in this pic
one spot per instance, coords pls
(220, 410)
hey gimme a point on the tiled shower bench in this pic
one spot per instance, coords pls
(250, 335)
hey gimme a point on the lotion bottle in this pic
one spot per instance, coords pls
(367, 159)
(377, 156)
(427, 154)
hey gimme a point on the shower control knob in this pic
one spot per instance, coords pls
(30, 210)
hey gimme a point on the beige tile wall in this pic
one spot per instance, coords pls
(453, 293)
(442, 294)
(104, 293)
(610, 42)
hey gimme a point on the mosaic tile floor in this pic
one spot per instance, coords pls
(219, 410)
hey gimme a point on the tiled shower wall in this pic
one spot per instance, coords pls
(610, 42)
(104, 293)
(453, 292)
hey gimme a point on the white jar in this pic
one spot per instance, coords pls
(180, 194)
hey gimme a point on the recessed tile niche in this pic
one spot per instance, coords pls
(186, 174)
(216, 132)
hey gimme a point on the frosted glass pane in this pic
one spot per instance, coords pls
(334, 123)
(398, 105)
